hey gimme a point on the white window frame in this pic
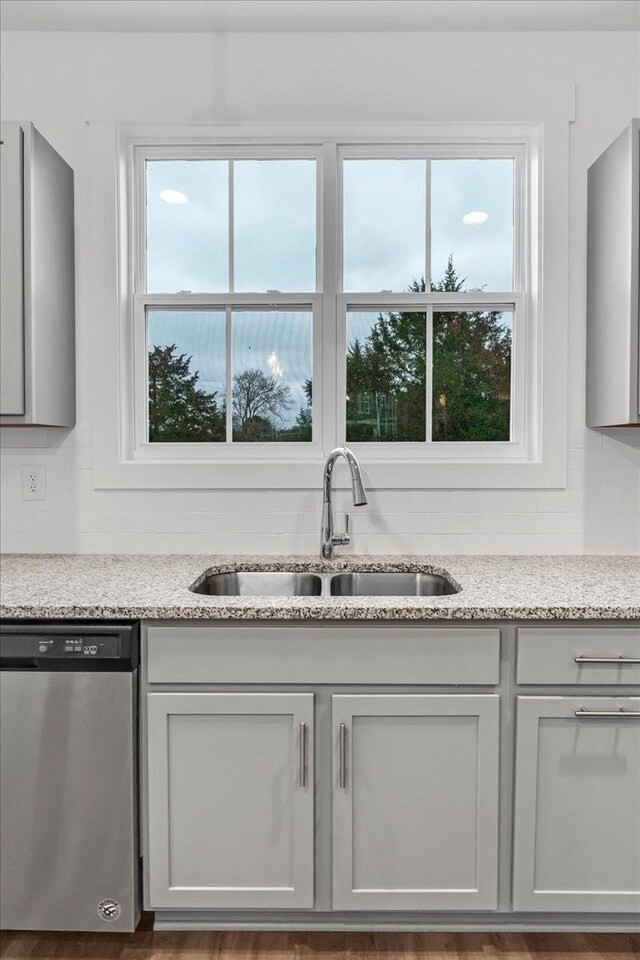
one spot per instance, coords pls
(521, 432)
(230, 302)
(330, 156)
(544, 192)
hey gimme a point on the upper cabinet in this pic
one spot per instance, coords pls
(613, 281)
(37, 265)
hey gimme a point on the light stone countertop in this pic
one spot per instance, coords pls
(157, 587)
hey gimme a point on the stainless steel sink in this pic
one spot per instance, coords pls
(259, 584)
(288, 583)
(391, 585)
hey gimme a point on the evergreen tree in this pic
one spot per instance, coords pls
(386, 374)
(179, 410)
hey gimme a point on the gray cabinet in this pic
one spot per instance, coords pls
(577, 805)
(230, 782)
(37, 317)
(613, 284)
(415, 812)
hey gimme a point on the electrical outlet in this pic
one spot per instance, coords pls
(34, 482)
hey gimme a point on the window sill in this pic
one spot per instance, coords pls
(307, 474)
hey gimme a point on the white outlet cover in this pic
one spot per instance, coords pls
(34, 482)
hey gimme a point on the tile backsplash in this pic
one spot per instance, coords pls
(598, 512)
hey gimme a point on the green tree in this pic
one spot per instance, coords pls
(179, 410)
(386, 374)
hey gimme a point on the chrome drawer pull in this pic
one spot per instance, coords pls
(303, 755)
(342, 780)
(622, 660)
(620, 714)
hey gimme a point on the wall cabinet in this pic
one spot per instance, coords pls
(613, 284)
(415, 808)
(37, 316)
(577, 805)
(231, 791)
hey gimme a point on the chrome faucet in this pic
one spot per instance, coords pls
(329, 538)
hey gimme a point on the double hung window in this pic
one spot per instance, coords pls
(290, 297)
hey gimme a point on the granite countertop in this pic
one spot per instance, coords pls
(157, 587)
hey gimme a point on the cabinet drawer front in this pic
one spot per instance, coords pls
(178, 653)
(579, 655)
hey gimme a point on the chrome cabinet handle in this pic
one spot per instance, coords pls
(622, 660)
(342, 780)
(303, 755)
(620, 714)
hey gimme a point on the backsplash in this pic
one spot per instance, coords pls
(598, 512)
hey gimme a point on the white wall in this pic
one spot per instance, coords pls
(60, 80)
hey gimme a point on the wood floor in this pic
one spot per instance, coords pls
(147, 945)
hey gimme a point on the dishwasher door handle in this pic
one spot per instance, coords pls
(19, 663)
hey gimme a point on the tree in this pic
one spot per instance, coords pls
(386, 374)
(179, 410)
(259, 403)
(471, 371)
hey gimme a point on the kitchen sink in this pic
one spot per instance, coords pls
(259, 584)
(399, 584)
(287, 583)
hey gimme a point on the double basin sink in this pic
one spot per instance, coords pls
(272, 583)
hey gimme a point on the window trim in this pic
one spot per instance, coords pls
(110, 192)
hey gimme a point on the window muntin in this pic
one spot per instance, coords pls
(424, 295)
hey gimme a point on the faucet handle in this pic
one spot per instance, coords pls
(342, 539)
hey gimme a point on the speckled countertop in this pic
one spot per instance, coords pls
(157, 587)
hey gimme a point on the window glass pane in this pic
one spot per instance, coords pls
(187, 226)
(471, 375)
(272, 375)
(187, 375)
(274, 225)
(384, 224)
(472, 223)
(386, 376)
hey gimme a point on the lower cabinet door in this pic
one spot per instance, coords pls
(415, 814)
(230, 784)
(577, 812)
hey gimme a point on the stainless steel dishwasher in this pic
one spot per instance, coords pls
(68, 776)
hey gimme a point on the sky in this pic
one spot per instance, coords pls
(385, 239)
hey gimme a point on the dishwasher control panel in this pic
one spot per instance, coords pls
(62, 646)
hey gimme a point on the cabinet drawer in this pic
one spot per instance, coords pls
(181, 653)
(579, 655)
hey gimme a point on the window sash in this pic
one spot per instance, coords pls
(228, 449)
(210, 152)
(443, 151)
(429, 304)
